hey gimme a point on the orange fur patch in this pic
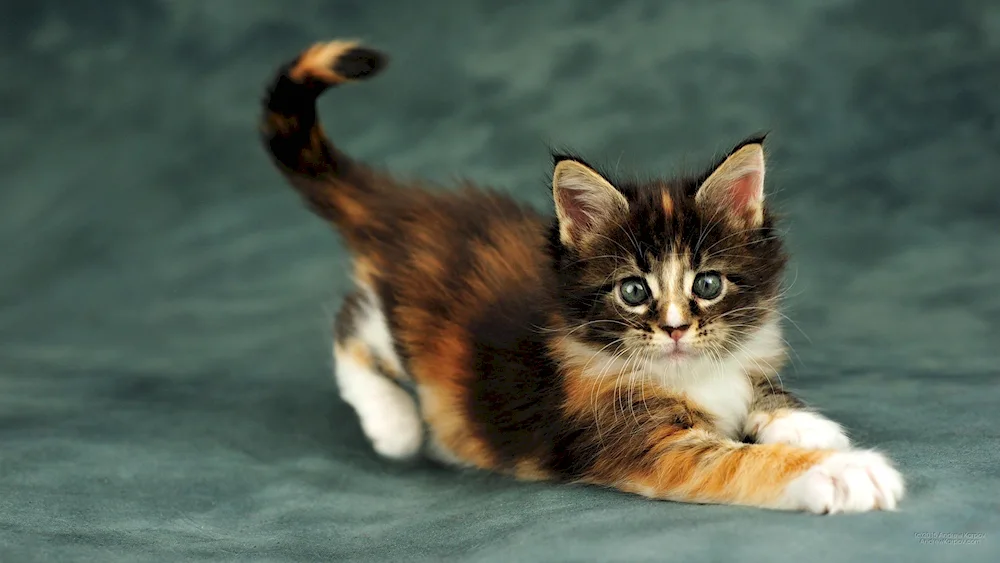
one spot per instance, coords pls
(443, 407)
(699, 467)
(365, 273)
(441, 369)
(354, 212)
(530, 470)
(317, 62)
(357, 351)
(505, 262)
(668, 204)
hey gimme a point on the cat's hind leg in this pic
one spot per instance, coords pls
(369, 373)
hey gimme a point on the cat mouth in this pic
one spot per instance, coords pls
(676, 353)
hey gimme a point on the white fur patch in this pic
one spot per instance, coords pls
(725, 394)
(674, 315)
(798, 428)
(373, 330)
(854, 481)
(389, 416)
(673, 275)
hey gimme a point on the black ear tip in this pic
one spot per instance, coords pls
(360, 62)
(755, 139)
(558, 157)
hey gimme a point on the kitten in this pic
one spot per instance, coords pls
(631, 342)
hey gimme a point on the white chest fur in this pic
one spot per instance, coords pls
(720, 387)
(724, 394)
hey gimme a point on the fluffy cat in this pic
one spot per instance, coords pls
(632, 341)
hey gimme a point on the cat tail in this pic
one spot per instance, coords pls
(336, 187)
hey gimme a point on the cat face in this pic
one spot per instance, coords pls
(668, 270)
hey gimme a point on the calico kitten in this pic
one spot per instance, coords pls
(632, 341)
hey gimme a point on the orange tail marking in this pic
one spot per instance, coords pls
(317, 62)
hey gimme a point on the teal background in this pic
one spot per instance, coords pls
(165, 300)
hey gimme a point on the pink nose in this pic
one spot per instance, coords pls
(676, 332)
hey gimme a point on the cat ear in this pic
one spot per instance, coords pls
(737, 185)
(585, 201)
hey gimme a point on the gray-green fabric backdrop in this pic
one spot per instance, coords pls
(165, 385)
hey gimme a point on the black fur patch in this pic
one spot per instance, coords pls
(516, 395)
(360, 62)
(346, 322)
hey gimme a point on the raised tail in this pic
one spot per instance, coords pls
(336, 187)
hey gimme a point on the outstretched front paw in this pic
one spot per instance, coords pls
(798, 428)
(853, 481)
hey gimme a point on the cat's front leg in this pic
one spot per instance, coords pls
(667, 448)
(696, 466)
(778, 417)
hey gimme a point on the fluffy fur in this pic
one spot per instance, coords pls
(632, 341)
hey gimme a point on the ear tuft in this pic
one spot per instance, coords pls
(585, 201)
(737, 184)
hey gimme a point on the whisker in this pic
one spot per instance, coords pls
(754, 359)
(769, 309)
(780, 234)
(709, 254)
(589, 258)
(711, 225)
(594, 395)
(614, 242)
(631, 238)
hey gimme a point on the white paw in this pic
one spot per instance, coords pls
(798, 428)
(854, 481)
(392, 423)
(388, 414)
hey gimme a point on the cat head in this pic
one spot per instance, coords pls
(670, 270)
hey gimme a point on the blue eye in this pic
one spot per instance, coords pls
(634, 291)
(707, 285)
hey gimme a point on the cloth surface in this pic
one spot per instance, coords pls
(165, 379)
